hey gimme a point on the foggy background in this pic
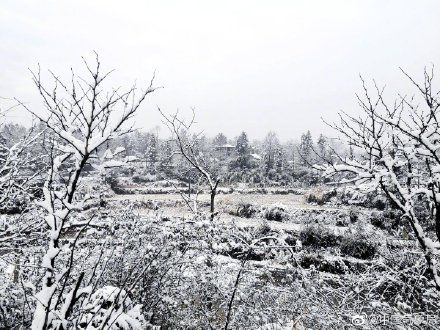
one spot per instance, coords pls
(244, 65)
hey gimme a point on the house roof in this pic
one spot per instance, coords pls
(131, 159)
(226, 146)
(118, 150)
(107, 154)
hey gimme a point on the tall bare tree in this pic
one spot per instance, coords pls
(83, 116)
(187, 147)
(397, 150)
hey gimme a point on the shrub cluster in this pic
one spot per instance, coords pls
(318, 236)
(276, 213)
(358, 247)
(246, 210)
(321, 198)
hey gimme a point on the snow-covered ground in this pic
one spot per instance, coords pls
(284, 275)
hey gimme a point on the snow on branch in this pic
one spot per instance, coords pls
(82, 115)
(398, 153)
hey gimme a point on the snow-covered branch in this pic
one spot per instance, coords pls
(82, 116)
(398, 153)
(188, 150)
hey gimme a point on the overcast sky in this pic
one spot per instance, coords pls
(244, 65)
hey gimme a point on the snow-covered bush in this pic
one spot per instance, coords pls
(110, 308)
(147, 178)
(320, 197)
(358, 246)
(370, 199)
(246, 210)
(378, 220)
(353, 215)
(318, 262)
(319, 236)
(277, 212)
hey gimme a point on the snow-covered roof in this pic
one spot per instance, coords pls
(131, 159)
(118, 150)
(107, 154)
(113, 163)
(226, 146)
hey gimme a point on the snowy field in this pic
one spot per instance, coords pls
(173, 205)
(325, 264)
(266, 261)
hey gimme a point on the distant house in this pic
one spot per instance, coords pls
(120, 151)
(133, 160)
(108, 155)
(225, 149)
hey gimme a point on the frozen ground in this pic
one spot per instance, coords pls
(172, 205)
(321, 275)
(368, 279)
(225, 202)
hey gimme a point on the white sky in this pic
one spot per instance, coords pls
(244, 65)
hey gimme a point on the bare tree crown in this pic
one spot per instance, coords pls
(398, 148)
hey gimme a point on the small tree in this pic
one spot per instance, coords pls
(165, 157)
(280, 160)
(151, 152)
(188, 149)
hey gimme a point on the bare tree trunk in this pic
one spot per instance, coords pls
(213, 193)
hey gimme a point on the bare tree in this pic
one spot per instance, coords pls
(82, 116)
(16, 163)
(187, 148)
(398, 152)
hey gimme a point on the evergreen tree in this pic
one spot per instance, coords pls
(166, 157)
(322, 147)
(306, 148)
(220, 140)
(243, 150)
(151, 152)
(279, 160)
(290, 156)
